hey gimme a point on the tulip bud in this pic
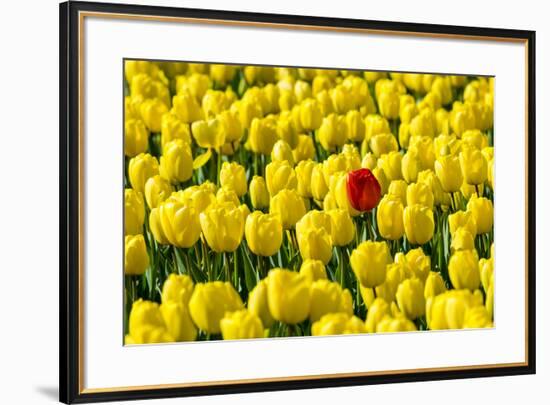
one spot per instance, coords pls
(208, 134)
(363, 189)
(383, 143)
(179, 223)
(462, 240)
(473, 165)
(411, 165)
(332, 133)
(209, 303)
(222, 225)
(319, 188)
(289, 206)
(262, 136)
(464, 270)
(288, 296)
(257, 303)
(134, 212)
(258, 193)
(173, 128)
(328, 297)
(486, 271)
(136, 137)
(398, 188)
(146, 325)
(388, 104)
(369, 261)
(313, 270)
(177, 288)
(420, 193)
(231, 125)
(140, 169)
(410, 298)
(355, 126)
(310, 114)
(338, 324)
(136, 259)
(389, 217)
(448, 171)
(178, 321)
(391, 324)
(482, 210)
(391, 164)
(419, 223)
(152, 110)
(303, 174)
(186, 107)
(264, 233)
(157, 190)
(241, 324)
(176, 163)
(280, 176)
(281, 152)
(343, 228)
(233, 177)
(369, 161)
(434, 285)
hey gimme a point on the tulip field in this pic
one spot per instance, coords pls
(265, 202)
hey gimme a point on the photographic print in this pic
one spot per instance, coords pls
(270, 201)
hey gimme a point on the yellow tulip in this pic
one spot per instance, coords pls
(419, 223)
(177, 288)
(424, 124)
(280, 176)
(178, 321)
(289, 206)
(259, 195)
(374, 125)
(136, 259)
(172, 128)
(227, 195)
(477, 317)
(447, 310)
(429, 178)
(186, 107)
(332, 132)
(146, 325)
(338, 324)
(304, 150)
(314, 219)
(303, 174)
(389, 217)
(262, 135)
(140, 169)
(410, 298)
(233, 177)
(287, 132)
(310, 114)
(420, 193)
(209, 303)
(288, 296)
(313, 270)
(489, 301)
(486, 271)
(231, 125)
(449, 173)
(179, 222)
(461, 118)
(241, 324)
(378, 310)
(281, 152)
(388, 104)
(264, 233)
(482, 211)
(474, 165)
(464, 270)
(391, 163)
(462, 219)
(152, 110)
(368, 262)
(208, 134)
(418, 263)
(462, 239)
(319, 187)
(136, 137)
(382, 143)
(382, 180)
(222, 225)
(157, 190)
(257, 303)
(222, 74)
(369, 161)
(134, 212)
(434, 285)
(411, 165)
(398, 324)
(328, 297)
(176, 162)
(302, 90)
(398, 188)
(134, 67)
(338, 188)
(355, 126)
(343, 228)
(315, 244)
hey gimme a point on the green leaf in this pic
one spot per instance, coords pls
(250, 275)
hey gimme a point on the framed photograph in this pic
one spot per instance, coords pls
(255, 202)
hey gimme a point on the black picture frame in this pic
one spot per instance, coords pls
(70, 184)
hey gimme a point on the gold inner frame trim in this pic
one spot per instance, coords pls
(124, 16)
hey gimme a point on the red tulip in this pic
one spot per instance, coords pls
(363, 190)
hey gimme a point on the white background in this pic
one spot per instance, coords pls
(28, 337)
